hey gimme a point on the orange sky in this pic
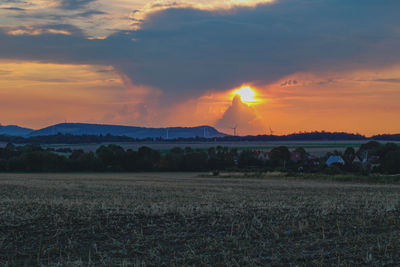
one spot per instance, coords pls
(313, 65)
(37, 95)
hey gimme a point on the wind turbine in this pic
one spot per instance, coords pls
(205, 131)
(270, 131)
(234, 130)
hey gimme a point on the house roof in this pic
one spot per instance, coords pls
(335, 160)
(295, 156)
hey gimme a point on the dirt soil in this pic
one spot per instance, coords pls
(176, 219)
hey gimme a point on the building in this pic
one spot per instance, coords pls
(335, 160)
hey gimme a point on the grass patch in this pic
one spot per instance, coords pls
(372, 178)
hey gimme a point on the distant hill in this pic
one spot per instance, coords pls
(312, 136)
(13, 130)
(130, 131)
(86, 133)
(386, 137)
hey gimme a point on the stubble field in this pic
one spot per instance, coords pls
(167, 219)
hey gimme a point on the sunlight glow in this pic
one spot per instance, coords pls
(247, 94)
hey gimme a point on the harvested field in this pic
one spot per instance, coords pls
(176, 219)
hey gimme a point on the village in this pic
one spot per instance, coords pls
(372, 157)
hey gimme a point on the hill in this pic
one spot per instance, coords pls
(387, 137)
(129, 131)
(87, 133)
(311, 136)
(13, 130)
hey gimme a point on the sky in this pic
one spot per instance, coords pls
(311, 65)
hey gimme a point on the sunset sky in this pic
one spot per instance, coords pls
(285, 65)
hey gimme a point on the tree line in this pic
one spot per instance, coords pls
(382, 158)
(85, 139)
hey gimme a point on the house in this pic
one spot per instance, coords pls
(313, 161)
(295, 157)
(349, 159)
(262, 155)
(335, 160)
(371, 162)
(357, 161)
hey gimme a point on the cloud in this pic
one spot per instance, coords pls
(36, 31)
(60, 16)
(29, 5)
(74, 4)
(188, 51)
(289, 83)
(132, 114)
(5, 72)
(89, 13)
(241, 116)
(393, 80)
(13, 9)
(58, 29)
(140, 15)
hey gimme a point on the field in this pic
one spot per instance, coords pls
(176, 219)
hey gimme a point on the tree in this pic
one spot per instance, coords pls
(349, 155)
(221, 157)
(372, 147)
(147, 159)
(10, 146)
(38, 161)
(391, 162)
(173, 160)
(76, 154)
(111, 157)
(302, 152)
(3, 165)
(247, 158)
(388, 147)
(195, 161)
(130, 160)
(279, 156)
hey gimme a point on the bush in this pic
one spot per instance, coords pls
(391, 162)
(3, 165)
(332, 170)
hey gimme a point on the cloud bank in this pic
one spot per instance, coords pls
(240, 116)
(185, 52)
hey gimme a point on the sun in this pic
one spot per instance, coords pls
(247, 94)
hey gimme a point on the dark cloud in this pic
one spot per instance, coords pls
(13, 9)
(289, 83)
(393, 80)
(57, 16)
(185, 52)
(89, 13)
(74, 4)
